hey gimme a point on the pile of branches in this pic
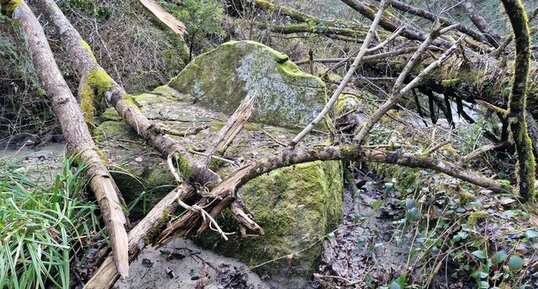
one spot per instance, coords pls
(202, 193)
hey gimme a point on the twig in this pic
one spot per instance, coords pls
(274, 138)
(205, 215)
(436, 147)
(172, 169)
(492, 107)
(483, 149)
(231, 162)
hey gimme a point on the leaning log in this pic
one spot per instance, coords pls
(96, 83)
(148, 228)
(76, 132)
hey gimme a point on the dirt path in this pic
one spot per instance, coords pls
(181, 264)
(362, 249)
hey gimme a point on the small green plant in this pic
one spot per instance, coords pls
(496, 269)
(39, 227)
(202, 18)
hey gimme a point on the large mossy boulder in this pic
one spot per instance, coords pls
(296, 206)
(221, 78)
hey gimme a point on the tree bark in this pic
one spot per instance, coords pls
(77, 135)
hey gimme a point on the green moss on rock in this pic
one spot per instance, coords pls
(296, 206)
(221, 78)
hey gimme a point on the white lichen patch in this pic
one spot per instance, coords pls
(221, 78)
(275, 96)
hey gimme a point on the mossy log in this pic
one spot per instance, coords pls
(305, 23)
(312, 28)
(75, 130)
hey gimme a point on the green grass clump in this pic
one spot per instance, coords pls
(41, 227)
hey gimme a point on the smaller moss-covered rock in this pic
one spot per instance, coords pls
(297, 206)
(221, 78)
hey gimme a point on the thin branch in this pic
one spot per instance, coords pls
(347, 78)
(493, 38)
(367, 58)
(484, 149)
(399, 92)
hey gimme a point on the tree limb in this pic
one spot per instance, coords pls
(493, 38)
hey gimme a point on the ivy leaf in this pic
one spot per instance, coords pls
(530, 234)
(479, 254)
(499, 257)
(515, 263)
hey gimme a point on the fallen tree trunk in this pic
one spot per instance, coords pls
(76, 132)
(96, 83)
(472, 76)
(433, 17)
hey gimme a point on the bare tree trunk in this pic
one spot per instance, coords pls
(76, 132)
